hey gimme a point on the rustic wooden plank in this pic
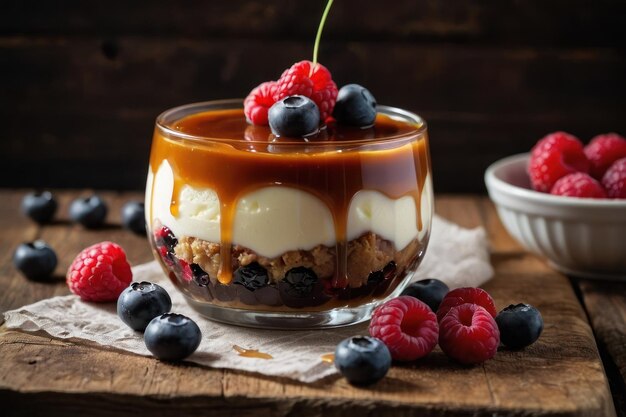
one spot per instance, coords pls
(605, 303)
(560, 375)
(95, 115)
(520, 83)
(558, 22)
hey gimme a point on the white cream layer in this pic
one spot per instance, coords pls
(276, 219)
(427, 207)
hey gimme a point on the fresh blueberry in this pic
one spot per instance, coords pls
(172, 337)
(376, 277)
(89, 211)
(39, 206)
(355, 106)
(35, 260)
(252, 276)
(362, 360)
(141, 302)
(301, 281)
(294, 117)
(377, 281)
(134, 218)
(390, 272)
(520, 325)
(430, 291)
(301, 288)
(200, 277)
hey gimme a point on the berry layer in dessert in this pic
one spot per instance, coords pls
(242, 218)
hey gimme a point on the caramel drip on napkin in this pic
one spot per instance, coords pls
(328, 358)
(251, 353)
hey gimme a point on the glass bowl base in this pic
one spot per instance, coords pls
(287, 320)
(284, 320)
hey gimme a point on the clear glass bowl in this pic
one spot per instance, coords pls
(278, 233)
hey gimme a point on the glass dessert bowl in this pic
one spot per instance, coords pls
(287, 233)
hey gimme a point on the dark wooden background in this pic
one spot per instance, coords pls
(82, 81)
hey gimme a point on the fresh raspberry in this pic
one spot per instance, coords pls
(258, 103)
(464, 295)
(164, 237)
(602, 151)
(165, 242)
(324, 91)
(407, 326)
(166, 256)
(99, 273)
(162, 232)
(469, 334)
(614, 179)
(578, 184)
(295, 80)
(553, 157)
(185, 270)
(314, 82)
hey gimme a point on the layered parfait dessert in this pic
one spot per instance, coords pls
(243, 219)
(304, 201)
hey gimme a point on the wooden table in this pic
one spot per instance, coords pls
(562, 374)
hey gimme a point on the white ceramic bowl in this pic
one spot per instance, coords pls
(579, 236)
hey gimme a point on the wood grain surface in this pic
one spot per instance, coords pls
(84, 81)
(605, 303)
(557, 23)
(559, 375)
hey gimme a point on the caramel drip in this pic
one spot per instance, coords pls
(341, 278)
(232, 169)
(328, 358)
(178, 185)
(227, 214)
(422, 160)
(251, 353)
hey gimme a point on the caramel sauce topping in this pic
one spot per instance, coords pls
(333, 166)
(251, 353)
(328, 358)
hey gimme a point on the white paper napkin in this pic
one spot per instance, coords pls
(458, 256)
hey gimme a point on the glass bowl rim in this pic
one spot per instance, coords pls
(406, 115)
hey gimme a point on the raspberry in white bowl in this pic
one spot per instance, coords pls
(561, 165)
(579, 236)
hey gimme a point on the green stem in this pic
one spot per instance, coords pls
(319, 31)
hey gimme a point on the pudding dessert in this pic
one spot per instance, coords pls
(304, 206)
(242, 219)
